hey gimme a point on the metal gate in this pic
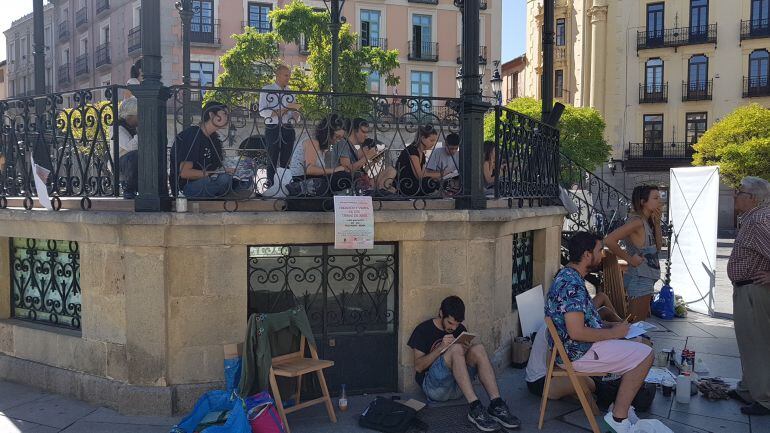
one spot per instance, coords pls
(350, 297)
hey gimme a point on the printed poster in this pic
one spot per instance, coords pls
(353, 222)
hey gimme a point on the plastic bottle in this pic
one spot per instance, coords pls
(683, 387)
(343, 401)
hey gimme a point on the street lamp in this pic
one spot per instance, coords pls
(497, 83)
(335, 10)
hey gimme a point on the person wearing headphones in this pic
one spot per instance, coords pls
(197, 156)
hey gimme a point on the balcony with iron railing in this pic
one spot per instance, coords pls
(102, 6)
(205, 32)
(756, 87)
(102, 55)
(63, 74)
(64, 30)
(658, 155)
(81, 65)
(81, 16)
(677, 37)
(755, 29)
(560, 53)
(482, 55)
(135, 40)
(653, 93)
(424, 51)
(697, 90)
(373, 42)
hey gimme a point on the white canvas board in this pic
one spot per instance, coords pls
(693, 210)
(531, 306)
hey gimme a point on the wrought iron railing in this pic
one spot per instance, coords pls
(205, 31)
(754, 87)
(135, 40)
(527, 158)
(754, 29)
(45, 282)
(74, 137)
(694, 35)
(427, 51)
(522, 262)
(482, 55)
(64, 30)
(653, 93)
(697, 90)
(63, 75)
(102, 5)
(81, 16)
(371, 42)
(102, 55)
(660, 150)
(81, 65)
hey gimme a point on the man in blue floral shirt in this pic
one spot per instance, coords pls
(593, 346)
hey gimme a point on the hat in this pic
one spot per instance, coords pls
(128, 108)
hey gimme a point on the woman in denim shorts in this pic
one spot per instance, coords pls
(642, 239)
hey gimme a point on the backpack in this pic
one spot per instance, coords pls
(607, 390)
(388, 416)
(263, 418)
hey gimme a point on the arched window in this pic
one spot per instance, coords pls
(697, 73)
(653, 79)
(759, 60)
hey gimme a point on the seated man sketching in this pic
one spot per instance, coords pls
(592, 347)
(448, 376)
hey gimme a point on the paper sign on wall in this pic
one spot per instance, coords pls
(353, 222)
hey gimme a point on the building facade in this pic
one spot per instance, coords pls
(3, 79)
(97, 41)
(514, 79)
(660, 72)
(20, 69)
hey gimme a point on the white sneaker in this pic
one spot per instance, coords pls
(632, 417)
(612, 426)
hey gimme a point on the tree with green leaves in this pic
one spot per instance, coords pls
(582, 131)
(739, 144)
(251, 62)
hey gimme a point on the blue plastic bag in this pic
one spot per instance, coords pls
(216, 401)
(232, 374)
(663, 306)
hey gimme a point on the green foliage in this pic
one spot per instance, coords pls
(739, 144)
(291, 24)
(582, 131)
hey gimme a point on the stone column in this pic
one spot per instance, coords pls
(598, 15)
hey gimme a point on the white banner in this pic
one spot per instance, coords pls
(693, 210)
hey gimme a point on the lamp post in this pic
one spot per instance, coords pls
(497, 83)
(335, 10)
(186, 12)
(39, 46)
(548, 25)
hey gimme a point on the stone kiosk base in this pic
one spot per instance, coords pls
(161, 294)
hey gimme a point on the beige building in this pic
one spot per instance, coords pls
(3, 79)
(20, 69)
(661, 72)
(514, 79)
(98, 40)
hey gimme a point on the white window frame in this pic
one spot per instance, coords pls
(102, 25)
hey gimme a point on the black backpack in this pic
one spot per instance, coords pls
(606, 391)
(388, 416)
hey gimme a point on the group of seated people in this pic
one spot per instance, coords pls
(590, 329)
(337, 155)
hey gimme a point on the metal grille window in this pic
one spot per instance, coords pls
(45, 281)
(258, 17)
(350, 297)
(521, 278)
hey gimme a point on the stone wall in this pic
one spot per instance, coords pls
(162, 293)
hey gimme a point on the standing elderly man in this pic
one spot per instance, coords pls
(279, 109)
(749, 270)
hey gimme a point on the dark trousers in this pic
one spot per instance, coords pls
(129, 173)
(280, 144)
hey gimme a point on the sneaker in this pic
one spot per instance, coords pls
(479, 417)
(501, 414)
(612, 426)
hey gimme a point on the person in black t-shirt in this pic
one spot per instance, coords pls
(448, 376)
(196, 166)
(411, 176)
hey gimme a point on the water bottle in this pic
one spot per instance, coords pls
(683, 388)
(343, 401)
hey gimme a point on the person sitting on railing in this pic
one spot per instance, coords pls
(360, 157)
(196, 158)
(412, 178)
(309, 175)
(128, 147)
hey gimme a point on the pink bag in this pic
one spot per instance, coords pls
(262, 415)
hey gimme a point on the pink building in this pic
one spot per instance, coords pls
(96, 41)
